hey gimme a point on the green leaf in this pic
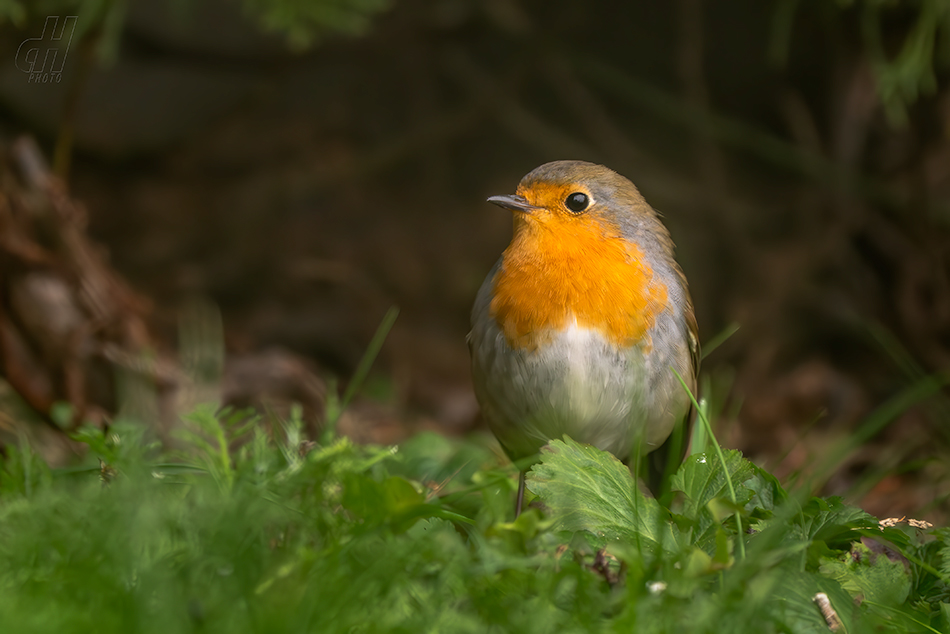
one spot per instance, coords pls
(767, 492)
(869, 576)
(702, 480)
(943, 537)
(586, 489)
(306, 21)
(343, 537)
(793, 603)
(831, 520)
(22, 471)
(61, 413)
(375, 501)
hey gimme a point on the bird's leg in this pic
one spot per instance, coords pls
(519, 501)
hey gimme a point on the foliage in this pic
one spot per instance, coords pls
(903, 71)
(302, 22)
(252, 529)
(905, 67)
(902, 77)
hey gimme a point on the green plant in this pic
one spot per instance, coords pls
(252, 530)
(903, 71)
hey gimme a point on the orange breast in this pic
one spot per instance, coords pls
(562, 269)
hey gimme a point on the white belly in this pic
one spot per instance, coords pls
(579, 385)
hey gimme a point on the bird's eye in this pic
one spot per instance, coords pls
(577, 202)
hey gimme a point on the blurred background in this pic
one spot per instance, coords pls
(222, 199)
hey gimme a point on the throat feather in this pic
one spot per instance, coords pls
(552, 277)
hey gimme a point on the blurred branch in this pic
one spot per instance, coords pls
(62, 155)
(65, 304)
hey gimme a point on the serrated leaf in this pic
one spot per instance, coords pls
(832, 521)
(870, 576)
(943, 538)
(702, 480)
(767, 492)
(588, 489)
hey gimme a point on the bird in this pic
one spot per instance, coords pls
(580, 324)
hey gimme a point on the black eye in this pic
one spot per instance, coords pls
(577, 202)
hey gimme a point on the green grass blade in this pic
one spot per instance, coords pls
(360, 374)
(700, 410)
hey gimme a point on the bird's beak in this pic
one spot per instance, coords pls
(514, 202)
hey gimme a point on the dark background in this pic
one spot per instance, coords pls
(798, 152)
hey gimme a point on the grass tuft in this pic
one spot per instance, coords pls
(244, 531)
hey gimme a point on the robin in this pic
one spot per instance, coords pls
(578, 327)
